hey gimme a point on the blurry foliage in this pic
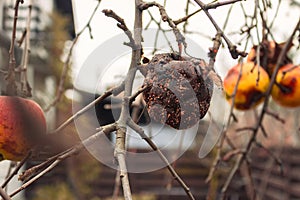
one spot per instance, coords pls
(85, 173)
(138, 197)
(59, 191)
(57, 37)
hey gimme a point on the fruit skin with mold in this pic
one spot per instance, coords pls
(179, 91)
(286, 91)
(22, 124)
(253, 84)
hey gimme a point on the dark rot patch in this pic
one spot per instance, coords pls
(13, 148)
(289, 87)
(253, 97)
(179, 95)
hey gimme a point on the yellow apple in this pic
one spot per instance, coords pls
(286, 91)
(251, 88)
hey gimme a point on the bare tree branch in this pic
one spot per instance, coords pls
(121, 25)
(164, 16)
(49, 164)
(232, 48)
(4, 195)
(106, 94)
(11, 79)
(141, 132)
(15, 171)
(25, 87)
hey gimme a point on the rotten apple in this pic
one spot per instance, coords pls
(179, 92)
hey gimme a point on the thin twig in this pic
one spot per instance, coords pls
(11, 88)
(275, 158)
(48, 165)
(185, 18)
(25, 87)
(138, 92)
(158, 23)
(246, 174)
(21, 40)
(29, 173)
(122, 25)
(116, 186)
(87, 107)
(165, 17)
(141, 132)
(223, 136)
(244, 129)
(208, 6)
(25, 185)
(12, 164)
(174, 156)
(231, 154)
(275, 116)
(235, 53)
(4, 195)
(228, 16)
(218, 4)
(266, 175)
(15, 171)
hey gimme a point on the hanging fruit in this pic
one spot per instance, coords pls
(251, 87)
(179, 92)
(22, 123)
(286, 91)
(268, 55)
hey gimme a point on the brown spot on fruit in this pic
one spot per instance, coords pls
(252, 97)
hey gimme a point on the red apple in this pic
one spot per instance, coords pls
(22, 123)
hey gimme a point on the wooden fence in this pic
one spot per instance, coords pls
(268, 181)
